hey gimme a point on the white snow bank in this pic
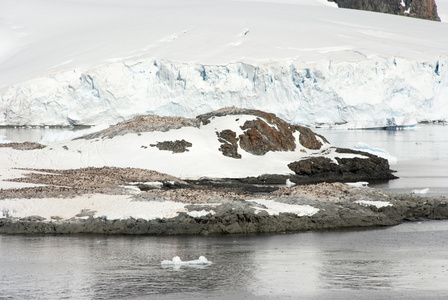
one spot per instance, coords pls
(358, 184)
(421, 191)
(442, 10)
(377, 204)
(202, 260)
(10, 173)
(376, 151)
(111, 207)
(275, 208)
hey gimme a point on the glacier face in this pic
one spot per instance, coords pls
(362, 91)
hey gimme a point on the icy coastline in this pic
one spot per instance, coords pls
(355, 93)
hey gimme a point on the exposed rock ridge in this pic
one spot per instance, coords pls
(423, 9)
(346, 169)
(338, 207)
(67, 183)
(144, 123)
(22, 146)
(265, 133)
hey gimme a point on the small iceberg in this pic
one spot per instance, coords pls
(176, 262)
(289, 183)
(422, 191)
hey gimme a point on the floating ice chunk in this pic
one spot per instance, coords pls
(376, 151)
(377, 204)
(289, 183)
(201, 261)
(358, 184)
(422, 191)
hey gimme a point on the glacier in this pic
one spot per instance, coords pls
(354, 92)
(100, 62)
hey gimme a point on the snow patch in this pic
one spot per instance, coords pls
(376, 151)
(111, 207)
(377, 204)
(421, 191)
(275, 208)
(357, 184)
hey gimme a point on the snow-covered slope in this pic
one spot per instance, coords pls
(134, 146)
(91, 62)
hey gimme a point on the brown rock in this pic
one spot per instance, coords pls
(423, 9)
(308, 138)
(229, 143)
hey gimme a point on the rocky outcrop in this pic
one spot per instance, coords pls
(174, 146)
(259, 137)
(229, 143)
(320, 168)
(69, 183)
(423, 9)
(144, 123)
(22, 146)
(265, 133)
(337, 206)
(308, 138)
(383, 6)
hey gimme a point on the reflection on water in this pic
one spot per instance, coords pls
(410, 260)
(358, 274)
(422, 155)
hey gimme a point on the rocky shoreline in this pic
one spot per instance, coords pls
(166, 183)
(338, 206)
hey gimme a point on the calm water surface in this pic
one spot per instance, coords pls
(422, 154)
(408, 261)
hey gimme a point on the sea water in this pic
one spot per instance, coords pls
(409, 261)
(421, 152)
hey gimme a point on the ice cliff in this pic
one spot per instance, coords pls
(362, 91)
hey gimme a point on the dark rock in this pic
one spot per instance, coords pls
(313, 166)
(371, 167)
(423, 9)
(174, 146)
(308, 138)
(229, 143)
(382, 6)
